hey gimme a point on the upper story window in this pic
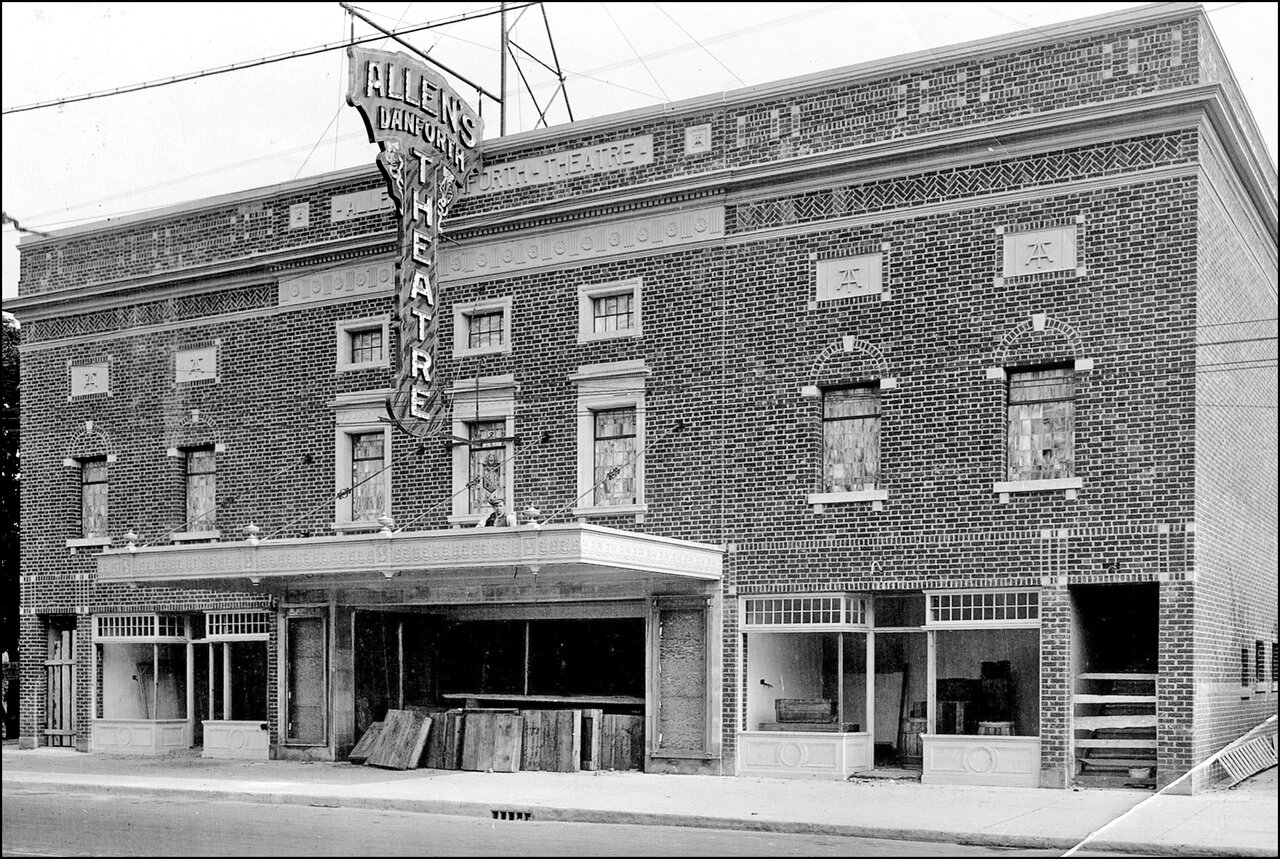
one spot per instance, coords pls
(201, 489)
(484, 446)
(1041, 424)
(609, 310)
(850, 439)
(368, 493)
(615, 457)
(362, 343)
(93, 497)
(486, 478)
(482, 327)
(362, 461)
(611, 438)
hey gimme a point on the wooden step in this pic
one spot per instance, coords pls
(1093, 675)
(1113, 699)
(1135, 743)
(1117, 763)
(1133, 720)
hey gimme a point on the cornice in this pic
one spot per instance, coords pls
(259, 268)
(842, 76)
(858, 73)
(1148, 113)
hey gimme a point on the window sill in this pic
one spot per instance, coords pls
(637, 510)
(89, 542)
(369, 365)
(359, 527)
(1060, 483)
(1261, 687)
(864, 495)
(465, 520)
(194, 536)
(593, 336)
(496, 350)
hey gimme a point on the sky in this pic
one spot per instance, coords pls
(90, 160)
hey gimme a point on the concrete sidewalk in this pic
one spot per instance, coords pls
(1239, 822)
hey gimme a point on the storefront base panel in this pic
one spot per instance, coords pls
(803, 754)
(140, 736)
(684, 766)
(981, 760)
(305, 753)
(249, 740)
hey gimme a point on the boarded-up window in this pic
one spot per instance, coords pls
(850, 439)
(93, 497)
(682, 678)
(368, 488)
(1041, 424)
(485, 470)
(201, 479)
(615, 457)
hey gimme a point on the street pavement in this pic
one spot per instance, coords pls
(1237, 822)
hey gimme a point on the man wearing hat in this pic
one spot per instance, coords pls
(499, 517)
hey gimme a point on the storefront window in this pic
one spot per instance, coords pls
(143, 663)
(987, 646)
(806, 662)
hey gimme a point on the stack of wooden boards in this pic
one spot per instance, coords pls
(503, 740)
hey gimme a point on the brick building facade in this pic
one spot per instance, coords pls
(870, 417)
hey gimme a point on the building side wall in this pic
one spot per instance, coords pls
(1235, 467)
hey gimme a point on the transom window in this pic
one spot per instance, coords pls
(615, 456)
(1041, 424)
(850, 439)
(485, 464)
(139, 626)
(984, 607)
(201, 489)
(368, 498)
(93, 497)
(237, 624)
(485, 330)
(612, 313)
(804, 611)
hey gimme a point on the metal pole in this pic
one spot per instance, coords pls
(502, 77)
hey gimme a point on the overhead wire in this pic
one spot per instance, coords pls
(623, 33)
(699, 44)
(249, 64)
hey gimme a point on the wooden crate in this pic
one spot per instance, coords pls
(360, 753)
(552, 740)
(492, 741)
(804, 710)
(402, 740)
(621, 742)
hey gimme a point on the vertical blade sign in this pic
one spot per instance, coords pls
(430, 141)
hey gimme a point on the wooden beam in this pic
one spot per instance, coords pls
(1135, 743)
(1137, 720)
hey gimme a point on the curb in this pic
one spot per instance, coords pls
(565, 814)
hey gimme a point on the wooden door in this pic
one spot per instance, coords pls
(60, 687)
(307, 687)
